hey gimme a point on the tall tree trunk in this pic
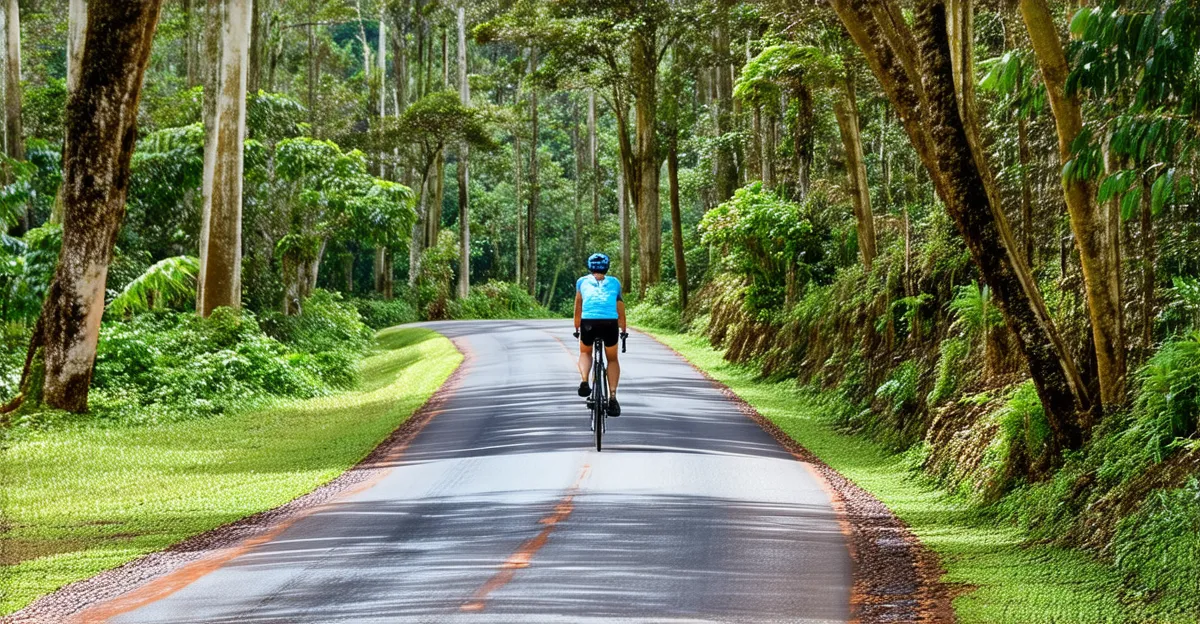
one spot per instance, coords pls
(519, 269)
(377, 267)
(644, 65)
(754, 160)
(1096, 228)
(535, 189)
(389, 275)
(420, 228)
(464, 211)
(14, 132)
(920, 82)
(577, 239)
(726, 165)
(76, 31)
(311, 101)
(1026, 161)
(254, 60)
(219, 283)
(846, 111)
(1148, 261)
(440, 194)
(804, 139)
(677, 221)
(623, 216)
(400, 53)
(101, 122)
(191, 56)
(593, 163)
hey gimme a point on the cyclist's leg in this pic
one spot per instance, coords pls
(585, 360)
(614, 369)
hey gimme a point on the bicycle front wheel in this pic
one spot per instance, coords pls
(598, 405)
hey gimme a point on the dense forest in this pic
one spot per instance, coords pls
(969, 229)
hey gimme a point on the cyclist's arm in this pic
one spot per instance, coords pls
(579, 309)
(621, 314)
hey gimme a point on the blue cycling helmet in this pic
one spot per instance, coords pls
(598, 263)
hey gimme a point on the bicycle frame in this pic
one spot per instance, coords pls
(598, 401)
(599, 391)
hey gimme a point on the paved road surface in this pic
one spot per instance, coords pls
(501, 511)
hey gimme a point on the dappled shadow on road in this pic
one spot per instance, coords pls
(692, 511)
(424, 560)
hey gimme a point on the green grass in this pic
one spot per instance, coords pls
(1002, 580)
(84, 499)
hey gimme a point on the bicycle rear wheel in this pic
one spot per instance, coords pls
(599, 400)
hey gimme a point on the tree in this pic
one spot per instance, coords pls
(928, 80)
(802, 70)
(14, 134)
(464, 211)
(101, 125)
(220, 280)
(531, 264)
(621, 45)
(1096, 224)
(430, 124)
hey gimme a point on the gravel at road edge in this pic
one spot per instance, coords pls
(68, 601)
(896, 578)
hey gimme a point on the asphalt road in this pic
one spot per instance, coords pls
(501, 510)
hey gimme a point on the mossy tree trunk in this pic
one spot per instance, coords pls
(726, 164)
(677, 220)
(846, 111)
(14, 132)
(219, 283)
(644, 67)
(1096, 225)
(534, 185)
(101, 129)
(76, 31)
(464, 210)
(918, 74)
(593, 163)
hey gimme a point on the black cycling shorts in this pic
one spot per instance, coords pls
(605, 329)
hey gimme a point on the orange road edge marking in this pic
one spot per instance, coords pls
(171, 582)
(523, 557)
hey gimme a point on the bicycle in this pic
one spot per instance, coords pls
(598, 401)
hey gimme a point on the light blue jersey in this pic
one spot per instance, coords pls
(600, 296)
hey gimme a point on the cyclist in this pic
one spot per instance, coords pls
(599, 312)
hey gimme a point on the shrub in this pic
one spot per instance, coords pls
(1169, 395)
(497, 300)
(326, 323)
(659, 309)
(1019, 447)
(168, 366)
(1158, 548)
(437, 272)
(950, 370)
(381, 314)
(13, 342)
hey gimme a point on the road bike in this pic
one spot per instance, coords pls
(598, 401)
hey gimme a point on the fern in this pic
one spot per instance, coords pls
(167, 281)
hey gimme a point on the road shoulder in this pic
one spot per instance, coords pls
(896, 578)
(402, 393)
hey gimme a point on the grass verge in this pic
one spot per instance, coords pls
(1003, 580)
(84, 499)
